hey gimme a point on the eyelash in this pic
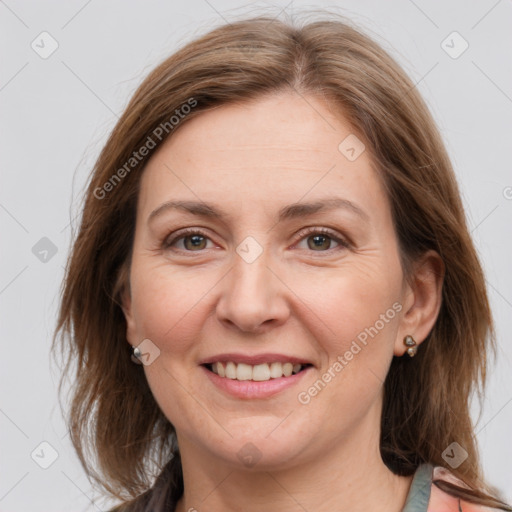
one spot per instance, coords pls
(343, 244)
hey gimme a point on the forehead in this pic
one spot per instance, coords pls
(270, 151)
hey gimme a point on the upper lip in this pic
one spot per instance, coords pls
(254, 359)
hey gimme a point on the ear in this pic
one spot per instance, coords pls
(422, 300)
(123, 285)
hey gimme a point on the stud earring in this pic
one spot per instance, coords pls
(136, 355)
(412, 348)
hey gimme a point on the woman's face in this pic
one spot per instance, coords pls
(289, 263)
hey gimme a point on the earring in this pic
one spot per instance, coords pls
(136, 355)
(411, 344)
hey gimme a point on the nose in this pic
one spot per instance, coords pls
(253, 298)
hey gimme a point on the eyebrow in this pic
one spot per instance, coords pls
(292, 211)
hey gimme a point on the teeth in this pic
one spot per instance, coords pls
(287, 369)
(261, 372)
(276, 370)
(243, 371)
(258, 372)
(231, 370)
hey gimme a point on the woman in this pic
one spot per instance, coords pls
(275, 231)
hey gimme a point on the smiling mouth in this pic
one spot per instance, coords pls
(257, 373)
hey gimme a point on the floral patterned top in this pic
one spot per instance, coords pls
(424, 496)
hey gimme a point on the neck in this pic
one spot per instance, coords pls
(348, 476)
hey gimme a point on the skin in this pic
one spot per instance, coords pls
(251, 160)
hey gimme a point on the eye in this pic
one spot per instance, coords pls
(321, 240)
(191, 240)
(316, 239)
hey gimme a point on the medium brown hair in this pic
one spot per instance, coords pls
(121, 436)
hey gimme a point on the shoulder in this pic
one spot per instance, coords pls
(440, 501)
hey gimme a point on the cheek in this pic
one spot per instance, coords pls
(355, 321)
(354, 318)
(352, 303)
(167, 305)
(170, 310)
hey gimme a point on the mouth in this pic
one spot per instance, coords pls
(258, 372)
(257, 376)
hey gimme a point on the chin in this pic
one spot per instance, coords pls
(262, 445)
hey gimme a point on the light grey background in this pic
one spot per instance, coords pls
(55, 117)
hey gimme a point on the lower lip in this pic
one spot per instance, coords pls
(250, 389)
